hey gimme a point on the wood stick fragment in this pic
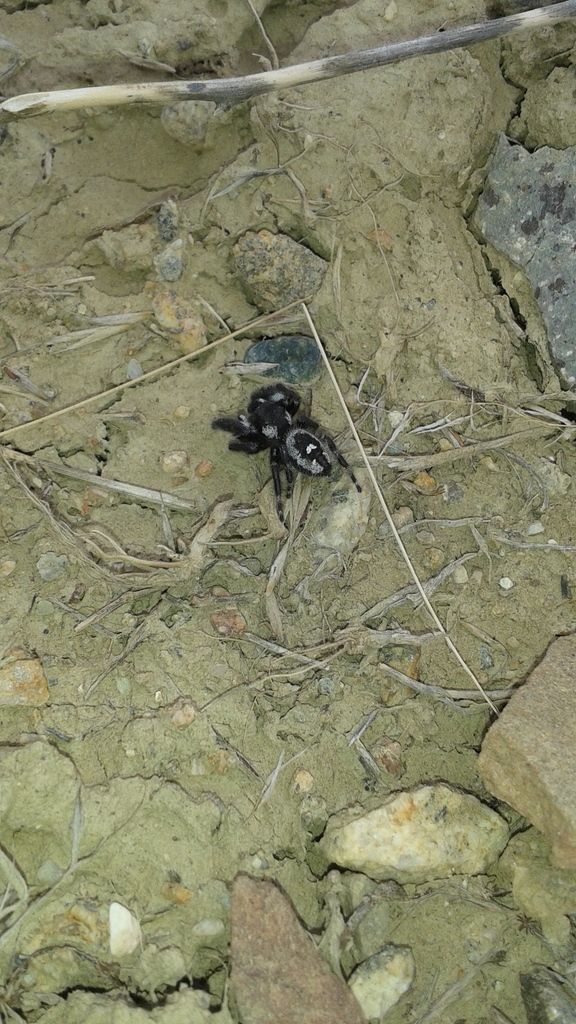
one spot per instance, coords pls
(229, 91)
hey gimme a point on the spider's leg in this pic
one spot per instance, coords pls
(289, 477)
(251, 446)
(341, 460)
(275, 467)
(238, 425)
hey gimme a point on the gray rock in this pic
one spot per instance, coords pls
(546, 1000)
(296, 356)
(275, 270)
(51, 566)
(527, 758)
(527, 211)
(133, 369)
(169, 263)
(167, 220)
(188, 122)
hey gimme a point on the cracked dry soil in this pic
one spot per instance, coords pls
(160, 727)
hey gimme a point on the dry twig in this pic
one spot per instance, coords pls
(228, 91)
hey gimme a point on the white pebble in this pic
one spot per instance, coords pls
(534, 528)
(395, 417)
(380, 981)
(133, 370)
(417, 835)
(125, 931)
(460, 574)
(210, 927)
(505, 583)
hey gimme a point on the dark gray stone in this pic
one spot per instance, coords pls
(296, 356)
(528, 212)
(546, 1000)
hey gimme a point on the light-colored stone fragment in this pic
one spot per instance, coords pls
(380, 981)
(125, 932)
(528, 758)
(418, 835)
(341, 523)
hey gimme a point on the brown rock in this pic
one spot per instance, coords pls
(276, 270)
(278, 976)
(22, 681)
(228, 622)
(528, 757)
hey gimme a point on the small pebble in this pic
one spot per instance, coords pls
(204, 468)
(534, 528)
(460, 575)
(169, 263)
(557, 482)
(180, 317)
(174, 462)
(128, 249)
(181, 712)
(210, 927)
(302, 781)
(45, 609)
(228, 622)
(505, 583)
(133, 370)
(395, 417)
(49, 873)
(7, 567)
(167, 220)
(181, 412)
(425, 483)
(325, 686)
(425, 537)
(175, 893)
(188, 122)
(125, 931)
(388, 754)
(51, 566)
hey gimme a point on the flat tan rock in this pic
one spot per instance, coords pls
(278, 976)
(528, 757)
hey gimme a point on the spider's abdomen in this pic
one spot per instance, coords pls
(307, 453)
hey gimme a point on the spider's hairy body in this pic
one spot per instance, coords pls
(295, 442)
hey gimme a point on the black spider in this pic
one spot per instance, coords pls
(294, 442)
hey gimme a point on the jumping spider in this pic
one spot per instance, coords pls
(294, 442)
